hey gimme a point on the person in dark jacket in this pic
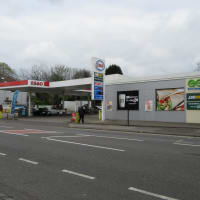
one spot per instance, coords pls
(81, 112)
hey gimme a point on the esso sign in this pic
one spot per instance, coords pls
(40, 83)
(100, 65)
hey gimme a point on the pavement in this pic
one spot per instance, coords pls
(92, 122)
(41, 161)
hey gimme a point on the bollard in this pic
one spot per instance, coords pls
(99, 114)
(73, 117)
(77, 118)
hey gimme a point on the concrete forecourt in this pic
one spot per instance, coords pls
(44, 161)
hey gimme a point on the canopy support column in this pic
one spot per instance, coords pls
(63, 100)
(103, 110)
(29, 104)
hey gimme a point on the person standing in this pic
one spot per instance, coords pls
(81, 112)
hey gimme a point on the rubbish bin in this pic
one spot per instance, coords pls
(23, 112)
(0, 115)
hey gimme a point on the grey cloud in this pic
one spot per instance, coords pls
(143, 37)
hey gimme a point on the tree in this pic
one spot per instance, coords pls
(61, 73)
(37, 72)
(6, 72)
(82, 73)
(113, 69)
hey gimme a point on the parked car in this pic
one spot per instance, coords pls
(54, 111)
(40, 112)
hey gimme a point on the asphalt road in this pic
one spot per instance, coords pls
(57, 163)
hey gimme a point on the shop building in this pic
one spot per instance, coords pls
(174, 98)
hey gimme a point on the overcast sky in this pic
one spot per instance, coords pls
(144, 37)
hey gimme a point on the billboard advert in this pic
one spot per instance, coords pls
(128, 100)
(193, 101)
(170, 99)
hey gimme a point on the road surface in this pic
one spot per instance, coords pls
(40, 162)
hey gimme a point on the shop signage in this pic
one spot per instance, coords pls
(193, 101)
(128, 100)
(98, 66)
(39, 83)
(98, 86)
(193, 84)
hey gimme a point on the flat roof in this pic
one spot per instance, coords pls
(129, 80)
(83, 86)
(71, 87)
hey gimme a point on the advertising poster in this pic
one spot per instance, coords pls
(128, 100)
(170, 99)
(109, 105)
(193, 101)
(149, 105)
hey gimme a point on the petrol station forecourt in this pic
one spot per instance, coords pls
(142, 91)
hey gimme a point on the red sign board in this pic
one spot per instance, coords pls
(14, 83)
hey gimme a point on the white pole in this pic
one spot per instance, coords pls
(103, 110)
(29, 104)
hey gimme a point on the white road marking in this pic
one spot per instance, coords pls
(28, 161)
(71, 136)
(5, 127)
(68, 136)
(82, 144)
(187, 144)
(42, 131)
(3, 154)
(178, 141)
(78, 174)
(134, 132)
(138, 140)
(5, 131)
(18, 134)
(151, 194)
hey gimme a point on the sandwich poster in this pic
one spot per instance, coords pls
(170, 99)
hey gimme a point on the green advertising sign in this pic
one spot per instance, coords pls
(193, 101)
(193, 84)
